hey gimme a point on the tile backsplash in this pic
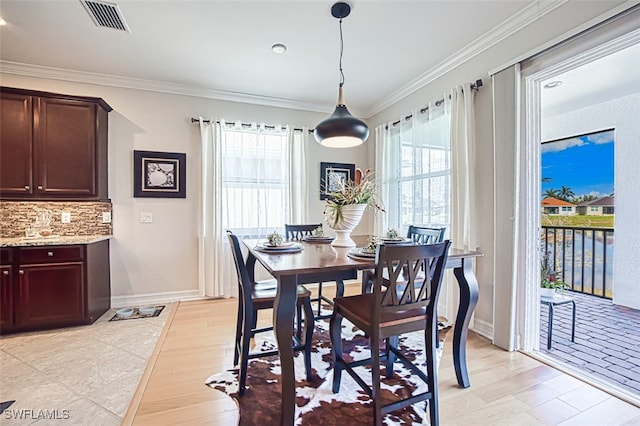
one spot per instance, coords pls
(86, 217)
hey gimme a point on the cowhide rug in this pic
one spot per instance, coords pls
(316, 404)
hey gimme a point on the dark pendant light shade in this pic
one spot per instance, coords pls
(341, 129)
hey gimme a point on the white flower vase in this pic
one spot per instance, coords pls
(351, 215)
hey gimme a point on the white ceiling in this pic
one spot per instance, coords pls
(613, 76)
(222, 49)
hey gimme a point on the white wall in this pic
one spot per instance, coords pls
(550, 27)
(623, 115)
(159, 261)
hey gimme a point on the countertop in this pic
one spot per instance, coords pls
(52, 241)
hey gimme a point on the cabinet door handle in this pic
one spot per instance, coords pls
(26, 187)
(5, 272)
(40, 187)
(50, 253)
(21, 272)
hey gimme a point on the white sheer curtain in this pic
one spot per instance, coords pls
(385, 154)
(299, 186)
(213, 259)
(252, 183)
(463, 168)
(413, 164)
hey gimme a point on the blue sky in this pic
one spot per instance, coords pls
(584, 164)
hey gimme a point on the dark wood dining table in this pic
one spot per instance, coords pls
(321, 262)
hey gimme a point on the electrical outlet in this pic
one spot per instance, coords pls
(146, 217)
(106, 217)
(65, 217)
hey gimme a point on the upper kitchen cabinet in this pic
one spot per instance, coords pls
(52, 147)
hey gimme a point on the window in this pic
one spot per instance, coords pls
(420, 185)
(255, 180)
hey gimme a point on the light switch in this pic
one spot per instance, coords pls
(65, 217)
(146, 217)
(106, 217)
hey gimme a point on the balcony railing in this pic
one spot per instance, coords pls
(581, 257)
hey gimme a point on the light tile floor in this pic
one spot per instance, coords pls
(78, 375)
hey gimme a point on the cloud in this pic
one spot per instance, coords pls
(595, 138)
(561, 145)
(600, 138)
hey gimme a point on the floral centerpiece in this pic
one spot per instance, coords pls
(347, 202)
(393, 234)
(274, 239)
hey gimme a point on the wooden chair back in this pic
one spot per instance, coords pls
(426, 234)
(298, 232)
(408, 280)
(244, 280)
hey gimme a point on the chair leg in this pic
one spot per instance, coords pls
(254, 322)
(432, 373)
(335, 330)
(375, 381)
(367, 282)
(299, 321)
(339, 288)
(309, 325)
(435, 314)
(391, 356)
(239, 321)
(319, 298)
(244, 360)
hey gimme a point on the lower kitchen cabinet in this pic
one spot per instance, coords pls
(54, 286)
(6, 296)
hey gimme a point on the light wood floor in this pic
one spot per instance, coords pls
(507, 388)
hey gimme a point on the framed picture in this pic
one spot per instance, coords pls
(159, 174)
(333, 176)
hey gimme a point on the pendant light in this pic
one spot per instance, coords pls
(341, 129)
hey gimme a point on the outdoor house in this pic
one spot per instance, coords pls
(599, 207)
(552, 205)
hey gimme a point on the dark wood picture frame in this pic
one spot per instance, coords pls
(344, 171)
(159, 174)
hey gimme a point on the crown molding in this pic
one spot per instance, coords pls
(39, 71)
(515, 23)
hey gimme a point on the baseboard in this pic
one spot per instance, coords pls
(483, 328)
(154, 298)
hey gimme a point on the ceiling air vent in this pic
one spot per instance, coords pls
(105, 14)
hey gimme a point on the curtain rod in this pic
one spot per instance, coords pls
(474, 86)
(232, 123)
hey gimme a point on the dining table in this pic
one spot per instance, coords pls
(319, 261)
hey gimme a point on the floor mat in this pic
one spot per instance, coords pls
(136, 313)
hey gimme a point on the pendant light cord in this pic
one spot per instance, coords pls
(341, 51)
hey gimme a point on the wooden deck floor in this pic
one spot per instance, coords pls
(606, 342)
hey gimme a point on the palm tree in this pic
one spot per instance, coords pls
(565, 193)
(551, 193)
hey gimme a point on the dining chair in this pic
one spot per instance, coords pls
(253, 297)
(425, 234)
(417, 234)
(407, 283)
(299, 232)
